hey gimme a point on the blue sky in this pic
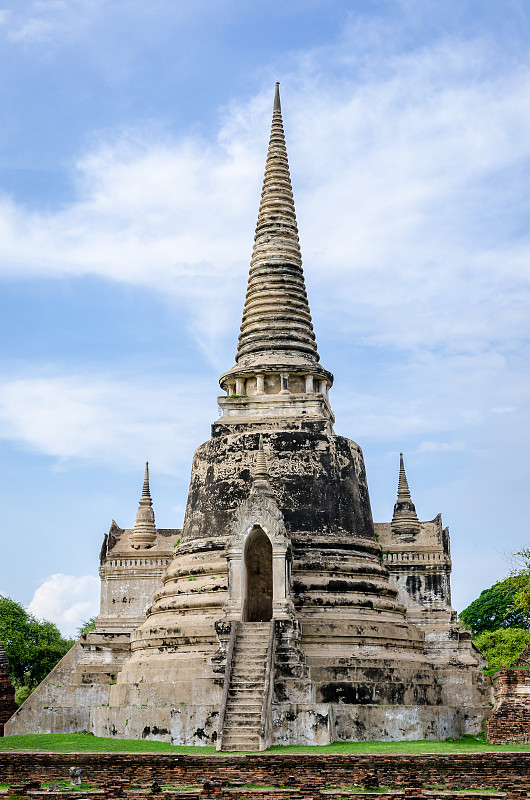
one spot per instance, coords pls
(132, 142)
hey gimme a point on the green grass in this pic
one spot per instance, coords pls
(82, 742)
(467, 744)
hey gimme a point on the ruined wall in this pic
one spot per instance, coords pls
(450, 770)
(7, 699)
(510, 721)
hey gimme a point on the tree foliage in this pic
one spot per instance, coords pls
(521, 580)
(86, 627)
(503, 646)
(33, 648)
(498, 607)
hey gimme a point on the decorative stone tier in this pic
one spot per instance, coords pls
(295, 378)
(278, 409)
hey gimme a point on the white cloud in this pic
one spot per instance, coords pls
(106, 419)
(66, 600)
(439, 447)
(408, 187)
(50, 22)
(32, 30)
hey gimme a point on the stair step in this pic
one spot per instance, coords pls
(251, 644)
(252, 677)
(255, 690)
(247, 682)
(253, 656)
(247, 716)
(255, 687)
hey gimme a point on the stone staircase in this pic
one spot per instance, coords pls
(241, 729)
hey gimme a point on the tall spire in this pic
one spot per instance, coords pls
(277, 374)
(276, 316)
(276, 329)
(144, 533)
(404, 519)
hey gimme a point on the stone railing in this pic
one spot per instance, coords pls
(265, 729)
(226, 685)
(409, 555)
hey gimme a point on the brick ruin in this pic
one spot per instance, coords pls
(510, 721)
(7, 691)
(279, 614)
(298, 773)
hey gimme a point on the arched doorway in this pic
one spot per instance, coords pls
(258, 577)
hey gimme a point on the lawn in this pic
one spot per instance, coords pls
(83, 742)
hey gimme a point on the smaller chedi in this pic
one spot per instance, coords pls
(7, 691)
(280, 614)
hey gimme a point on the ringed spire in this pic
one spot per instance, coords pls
(144, 532)
(404, 519)
(276, 328)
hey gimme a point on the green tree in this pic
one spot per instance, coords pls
(520, 578)
(503, 646)
(496, 608)
(33, 648)
(86, 627)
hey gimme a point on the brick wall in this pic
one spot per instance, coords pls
(270, 794)
(510, 720)
(7, 699)
(454, 771)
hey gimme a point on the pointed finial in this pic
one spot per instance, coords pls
(145, 491)
(144, 532)
(277, 105)
(404, 520)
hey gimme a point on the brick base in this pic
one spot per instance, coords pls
(451, 770)
(7, 700)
